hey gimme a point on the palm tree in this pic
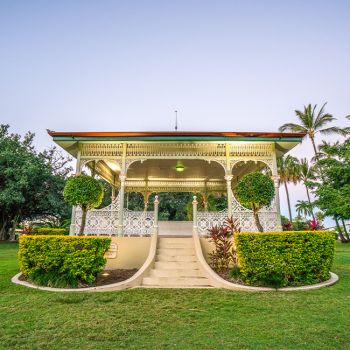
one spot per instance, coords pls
(312, 123)
(306, 175)
(303, 207)
(288, 172)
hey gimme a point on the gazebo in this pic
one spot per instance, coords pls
(153, 162)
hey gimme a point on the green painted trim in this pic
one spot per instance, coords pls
(176, 138)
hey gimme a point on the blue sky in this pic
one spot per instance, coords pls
(127, 65)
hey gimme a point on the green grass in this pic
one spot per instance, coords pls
(174, 319)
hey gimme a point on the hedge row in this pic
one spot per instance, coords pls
(60, 261)
(49, 231)
(285, 258)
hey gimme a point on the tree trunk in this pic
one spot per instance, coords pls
(83, 221)
(13, 229)
(314, 146)
(288, 201)
(308, 197)
(342, 238)
(3, 230)
(257, 221)
(345, 230)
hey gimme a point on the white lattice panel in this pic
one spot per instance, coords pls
(268, 218)
(104, 221)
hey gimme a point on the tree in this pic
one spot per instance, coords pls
(254, 191)
(334, 192)
(83, 191)
(288, 171)
(304, 207)
(306, 176)
(29, 186)
(312, 123)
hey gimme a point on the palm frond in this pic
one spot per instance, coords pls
(334, 130)
(292, 127)
(305, 117)
(324, 119)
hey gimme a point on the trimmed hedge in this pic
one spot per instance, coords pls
(49, 231)
(60, 261)
(285, 258)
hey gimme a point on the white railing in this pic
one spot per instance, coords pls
(268, 218)
(104, 221)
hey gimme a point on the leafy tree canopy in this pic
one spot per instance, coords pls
(334, 191)
(254, 191)
(31, 183)
(84, 191)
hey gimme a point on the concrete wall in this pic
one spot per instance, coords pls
(127, 252)
(207, 247)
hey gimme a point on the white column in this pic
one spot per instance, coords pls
(122, 178)
(194, 214)
(72, 222)
(155, 225)
(228, 179)
(275, 178)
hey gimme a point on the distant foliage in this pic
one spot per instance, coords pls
(61, 261)
(281, 259)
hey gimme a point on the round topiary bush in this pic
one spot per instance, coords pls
(83, 191)
(254, 191)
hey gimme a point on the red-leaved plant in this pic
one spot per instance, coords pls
(314, 225)
(224, 252)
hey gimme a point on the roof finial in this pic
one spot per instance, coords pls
(175, 120)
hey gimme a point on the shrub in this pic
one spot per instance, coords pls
(49, 231)
(58, 261)
(222, 237)
(84, 191)
(254, 191)
(285, 258)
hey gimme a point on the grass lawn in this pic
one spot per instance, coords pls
(174, 319)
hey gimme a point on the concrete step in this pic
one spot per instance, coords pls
(175, 265)
(175, 242)
(175, 281)
(176, 273)
(176, 247)
(177, 258)
(175, 239)
(175, 251)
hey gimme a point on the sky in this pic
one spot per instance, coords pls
(127, 65)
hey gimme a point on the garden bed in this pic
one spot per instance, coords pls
(104, 278)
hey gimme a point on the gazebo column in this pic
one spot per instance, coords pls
(228, 179)
(122, 178)
(145, 200)
(276, 182)
(72, 223)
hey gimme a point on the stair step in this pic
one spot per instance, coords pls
(175, 245)
(175, 240)
(175, 251)
(177, 258)
(171, 265)
(176, 273)
(175, 281)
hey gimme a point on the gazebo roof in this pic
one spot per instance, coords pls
(175, 136)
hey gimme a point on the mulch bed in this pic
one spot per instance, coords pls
(111, 276)
(104, 278)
